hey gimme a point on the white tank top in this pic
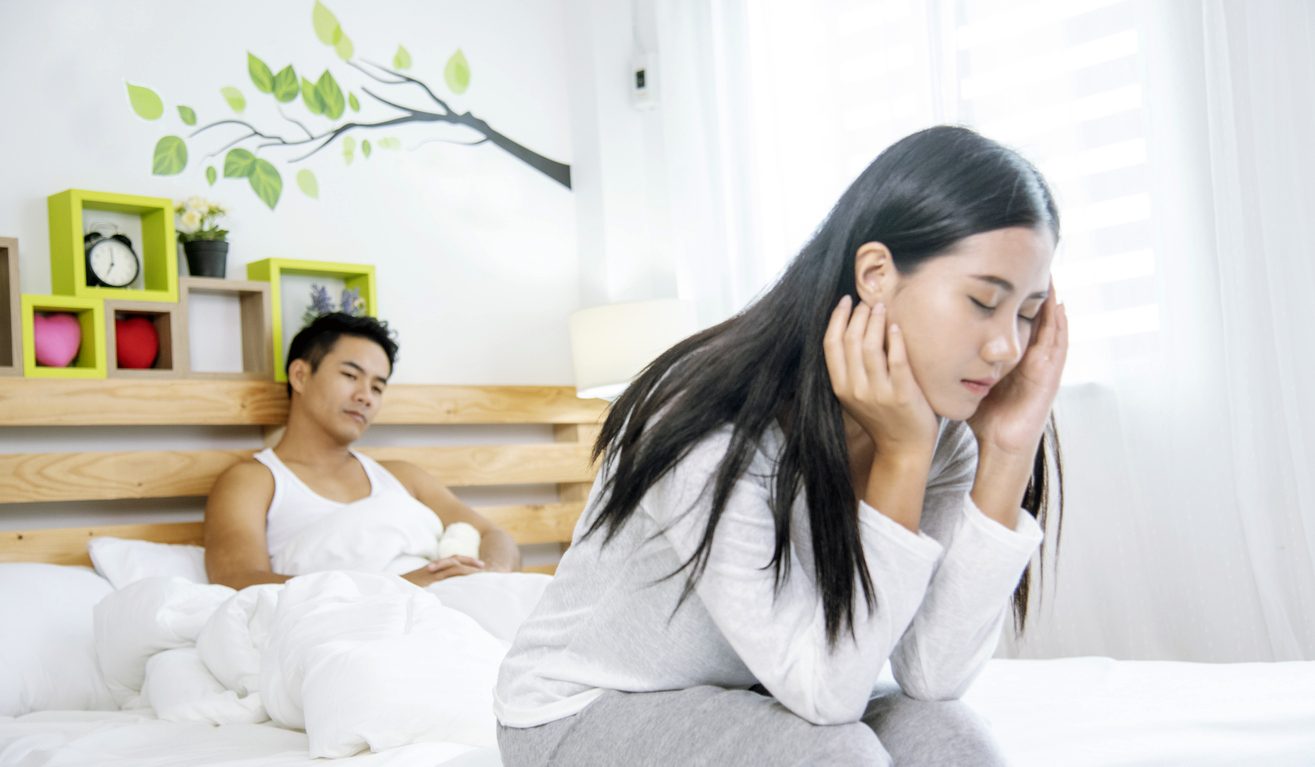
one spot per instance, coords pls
(295, 505)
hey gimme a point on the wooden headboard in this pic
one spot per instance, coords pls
(27, 477)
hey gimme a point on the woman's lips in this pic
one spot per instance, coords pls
(980, 388)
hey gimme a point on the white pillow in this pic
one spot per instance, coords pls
(123, 561)
(47, 645)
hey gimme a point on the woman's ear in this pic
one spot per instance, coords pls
(875, 275)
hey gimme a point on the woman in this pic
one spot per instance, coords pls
(828, 480)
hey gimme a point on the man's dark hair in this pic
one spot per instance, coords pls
(316, 340)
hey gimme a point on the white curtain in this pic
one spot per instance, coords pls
(1177, 135)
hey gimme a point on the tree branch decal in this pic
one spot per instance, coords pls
(253, 153)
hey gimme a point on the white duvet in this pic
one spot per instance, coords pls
(357, 659)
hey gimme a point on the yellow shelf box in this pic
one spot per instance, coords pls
(90, 362)
(158, 248)
(359, 277)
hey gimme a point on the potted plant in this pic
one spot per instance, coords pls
(205, 244)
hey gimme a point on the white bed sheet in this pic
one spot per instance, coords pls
(137, 739)
(1076, 712)
(1097, 711)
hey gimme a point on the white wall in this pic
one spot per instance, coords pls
(476, 252)
(624, 226)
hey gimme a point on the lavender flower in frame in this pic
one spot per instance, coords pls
(320, 303)
(352, 303)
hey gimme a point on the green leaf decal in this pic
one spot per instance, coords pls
(353, 102)
(326, 24)
(239, 163)
(266, 182)
(145, 102)
(170, 156)
(311, 97)
(308, 185)
(331, 100)
(392, 142)
(344, 48)
(285, 85)
(348, 149)
(188, 115)
(211, 175)
(402, 59)
(234, 98)
(457, 72)
(260, 74)
(365, 148)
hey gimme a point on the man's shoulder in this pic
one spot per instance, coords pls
(405, 472)
(247, 473)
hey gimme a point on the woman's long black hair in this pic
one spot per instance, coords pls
(919, 197)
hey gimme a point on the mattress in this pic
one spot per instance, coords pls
(137, 739)
(1073, 712)
(1077, 712)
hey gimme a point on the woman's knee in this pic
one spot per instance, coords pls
(849, 744)
(918, 732)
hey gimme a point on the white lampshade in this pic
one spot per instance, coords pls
(610, 344)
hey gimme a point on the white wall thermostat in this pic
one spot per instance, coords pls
(643, 81)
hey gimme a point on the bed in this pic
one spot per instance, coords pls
(1071, 711)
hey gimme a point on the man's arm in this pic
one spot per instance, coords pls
(496, 548)
(236, 553)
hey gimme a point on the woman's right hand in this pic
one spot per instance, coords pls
(442, 569)
(870, 375)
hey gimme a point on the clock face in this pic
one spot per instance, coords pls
(113, 263)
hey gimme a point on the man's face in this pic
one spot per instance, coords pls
(343, 395)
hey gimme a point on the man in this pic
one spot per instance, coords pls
(338, 369)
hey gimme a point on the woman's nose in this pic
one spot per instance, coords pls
(1003, 347)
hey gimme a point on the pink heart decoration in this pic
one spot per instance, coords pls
(56, 338)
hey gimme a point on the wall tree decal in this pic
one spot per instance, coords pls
(257, 153)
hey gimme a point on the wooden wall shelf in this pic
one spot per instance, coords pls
(253, 298)
(11, 324)
(182, 402)
(171, 362)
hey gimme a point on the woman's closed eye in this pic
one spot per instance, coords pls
(989, 310)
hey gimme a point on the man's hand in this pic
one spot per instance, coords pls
(442, 569)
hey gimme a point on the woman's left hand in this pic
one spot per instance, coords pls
(1013, 415)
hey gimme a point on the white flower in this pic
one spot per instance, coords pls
(197, 204)
(189, 222)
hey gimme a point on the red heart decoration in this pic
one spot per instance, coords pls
(56, 338)
(136, 341)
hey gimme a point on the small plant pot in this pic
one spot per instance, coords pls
(206, 258)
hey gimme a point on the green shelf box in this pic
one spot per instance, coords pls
(90, 362)
(272, 270)
(158, 249)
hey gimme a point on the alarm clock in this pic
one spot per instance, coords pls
(111, 261)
